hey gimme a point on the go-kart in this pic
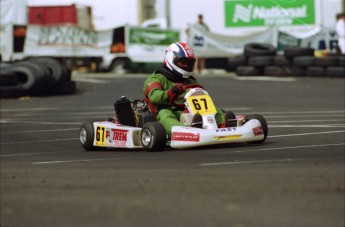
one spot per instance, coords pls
(135, 126)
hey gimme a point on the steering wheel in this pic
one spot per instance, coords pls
(174, 97)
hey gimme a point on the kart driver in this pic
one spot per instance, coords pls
(170, 79)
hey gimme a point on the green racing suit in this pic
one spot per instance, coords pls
(156, 88)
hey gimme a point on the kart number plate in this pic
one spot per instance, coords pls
(100, 136)
(201, 104)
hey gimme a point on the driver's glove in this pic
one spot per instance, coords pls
(177, 90)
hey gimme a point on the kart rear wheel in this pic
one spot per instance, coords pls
(153, 136)
(86, 135)
(263, 123)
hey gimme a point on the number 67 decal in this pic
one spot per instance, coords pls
(197, 105)
(201, 104)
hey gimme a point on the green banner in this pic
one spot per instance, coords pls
(249, 13)
(147, 36)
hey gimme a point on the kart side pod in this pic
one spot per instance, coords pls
(186, 137)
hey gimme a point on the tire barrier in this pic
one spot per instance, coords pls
(236, 61)
(335, 71)
(291, 52)
(259, 49)
(35, 77)
(315, 71)
(303, 61)
(280, 60)
(248, 71)
(262, 59)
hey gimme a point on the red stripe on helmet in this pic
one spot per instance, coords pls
(186, 49)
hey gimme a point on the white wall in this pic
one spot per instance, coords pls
(184, 12)
(328, 10)
(13, 12)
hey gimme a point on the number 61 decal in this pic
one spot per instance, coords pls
(100, 136)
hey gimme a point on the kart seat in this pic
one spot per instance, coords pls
(124, 112)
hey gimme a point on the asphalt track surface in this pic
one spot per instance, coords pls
(296, 178)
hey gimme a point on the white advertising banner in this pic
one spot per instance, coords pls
(66, 41)
(149, 44)
(209, 44)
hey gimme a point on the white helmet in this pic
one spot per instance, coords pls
(180, 59)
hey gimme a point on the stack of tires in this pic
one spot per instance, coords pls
(35, 77)
(262, 59)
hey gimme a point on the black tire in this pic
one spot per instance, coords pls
(67, 73)
(335, 72)
(87, 135)
(327, 61)
(294, 70)
(303, 61)
(146, 117)
(11, 92)
(259, 49)
(236, 61)
(55, 68)
(280, 60)
(66, 88)
(27, 78)
(8, 79)
(153, 137)
(274, 71)
(316, 71)
(260, 61)
(263, 123)
(120, 66)
(230, 119)
(248, 71)
(4, 65)
(298, 51)
(41, 72)
(216, 63)
(342, 61)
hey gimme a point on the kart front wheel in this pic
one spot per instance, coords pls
(153, 136)
(86, 135)
(263, 123)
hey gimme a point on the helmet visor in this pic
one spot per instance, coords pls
(184, 63)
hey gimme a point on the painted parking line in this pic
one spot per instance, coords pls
(247, 162)
(77, 160)
(39, 141)
(4, 121)
(90, 80)
(270, 149)
(39, 153)
(305, 115)
(265, 78)
(307, 126)
(306, 134)
(306, 121)
(52, 109)
(313, 112)
(39, 131)
(296, 147)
